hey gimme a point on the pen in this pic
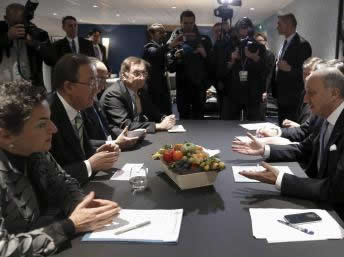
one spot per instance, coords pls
(133, 227)
(304, 230)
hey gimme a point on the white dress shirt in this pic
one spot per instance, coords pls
(71, 113)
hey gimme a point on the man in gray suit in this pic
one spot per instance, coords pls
(324, 148)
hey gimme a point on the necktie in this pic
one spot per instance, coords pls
(97, 52)
(104, 131)
(73, 47)
(78, 126)
(323, 140)
(138, 104)
(281, 53)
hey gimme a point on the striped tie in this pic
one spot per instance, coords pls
(78, 126)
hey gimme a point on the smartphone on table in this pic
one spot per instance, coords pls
(304, 217)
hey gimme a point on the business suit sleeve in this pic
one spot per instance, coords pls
(329, 189)
(296, 134)
(117, 114)
(303, 52)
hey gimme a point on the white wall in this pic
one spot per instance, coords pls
(317, 22)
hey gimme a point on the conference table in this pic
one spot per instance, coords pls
(216, 220)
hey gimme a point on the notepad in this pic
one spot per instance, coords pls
(164, 227)
(255, 126)
(124, 173)
(266, 226)
(240, 178)
(177, 129)
(212, 152)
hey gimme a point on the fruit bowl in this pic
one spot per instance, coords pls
(188, 165)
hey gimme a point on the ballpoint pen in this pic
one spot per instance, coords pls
(139, 225)
(304, 230)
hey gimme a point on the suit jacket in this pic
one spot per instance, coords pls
(62, 48)
(118, 107)
(289, 85)
(66, 147)
(325, 184)
(97, 126)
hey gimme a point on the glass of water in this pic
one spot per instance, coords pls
(138, 178)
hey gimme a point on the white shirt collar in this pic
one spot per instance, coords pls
(71, 112)
(332, 119)
(290, 37)
(70, 39)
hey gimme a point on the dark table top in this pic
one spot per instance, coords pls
(216, 219)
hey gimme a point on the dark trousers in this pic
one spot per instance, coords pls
(190, 100)
(287, 112)
(232, 110)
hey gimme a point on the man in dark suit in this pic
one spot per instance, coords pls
(72, 43)
(288, 82)
(128, 104)
(96, 124)
(324, 148)
(76, 84)
(98, 48)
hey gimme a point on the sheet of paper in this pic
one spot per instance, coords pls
(212, 152)
(266, 226)
(244, 139)
(124, 173)
(240, 178)
(164, 227)
(255, 126)
(177, 129)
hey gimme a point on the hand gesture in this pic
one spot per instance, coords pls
(167, 123)
(104, 159)
(253, 147)
(92, 214)
(283, 66)
(124, 141)
(176, 41)
(268, 176)
(16, 32)
(290, 124)
(267, 132)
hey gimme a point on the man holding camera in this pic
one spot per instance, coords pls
(189, 59)
(23, 47)
(246, 66)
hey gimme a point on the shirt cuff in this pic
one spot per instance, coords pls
(88, 167)
(267, 151)
(279, 179)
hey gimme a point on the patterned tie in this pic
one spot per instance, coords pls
(79, 127)
(73, 47)
(138, 104)
(323, 140)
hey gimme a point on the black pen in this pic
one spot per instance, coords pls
(304, 230)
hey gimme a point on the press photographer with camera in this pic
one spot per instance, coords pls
(247, 69)
(23, 46)
(189, 58)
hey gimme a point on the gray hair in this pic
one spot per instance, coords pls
(331, 77)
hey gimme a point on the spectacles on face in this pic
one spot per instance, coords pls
(138, 73)
(92, 84)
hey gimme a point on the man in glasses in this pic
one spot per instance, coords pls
(128, 104)
(75, 80)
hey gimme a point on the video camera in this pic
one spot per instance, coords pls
(30, 28)
(224, 11)
(248, 41)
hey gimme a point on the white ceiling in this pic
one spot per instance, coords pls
(50, 12)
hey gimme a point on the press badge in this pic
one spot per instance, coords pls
(243, 75)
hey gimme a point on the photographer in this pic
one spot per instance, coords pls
(247, 70)
(23, 46)
(189, 59)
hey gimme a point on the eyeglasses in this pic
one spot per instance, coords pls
(138, 73)
(92, 84)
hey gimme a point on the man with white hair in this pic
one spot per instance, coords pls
(324, 148)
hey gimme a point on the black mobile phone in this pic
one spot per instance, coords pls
(304, 217)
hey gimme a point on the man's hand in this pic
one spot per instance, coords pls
(105, 157)
(16, 32)
(124, 141)
(267, 132)
(253, 147)
(92, 214)
(200, 50)
(268, 176)
(167, 123)
(290, 124)
(253, 56)
(283, 66)
(177, 41)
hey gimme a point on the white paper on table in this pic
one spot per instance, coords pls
(255, 126)
(177, 129)
(240, 178)
(266, 226)
(244, 139)
(212, 152)
(164, 227)
(124, 173)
